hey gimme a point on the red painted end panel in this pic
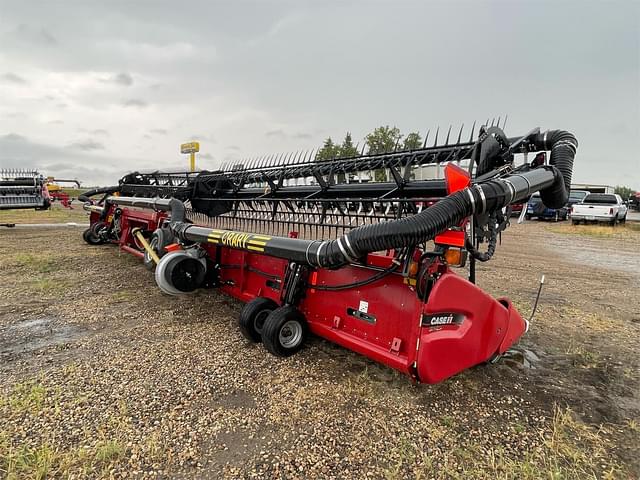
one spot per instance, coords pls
(379, 320)
(515, 329)
(448, 349)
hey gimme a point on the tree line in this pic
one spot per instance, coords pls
(380, 140)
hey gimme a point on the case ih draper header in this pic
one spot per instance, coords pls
(313, 247)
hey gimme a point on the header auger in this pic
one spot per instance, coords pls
(357, 250)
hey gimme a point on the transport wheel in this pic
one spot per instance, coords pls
(147, 260)
(159, 239)
(92, 234)
(284, 331)
(614, 221)
(179, 273)
(556, 217)
(253, 316)
(623, 219)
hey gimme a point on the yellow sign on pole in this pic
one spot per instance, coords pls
(191, 148)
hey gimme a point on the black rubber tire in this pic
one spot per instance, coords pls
(92, 237)
(85, 235)
(623, 219)
(527, 217)
(147, 260)
(614, 222)
(253, 316)
(575, 222)
(276, 323)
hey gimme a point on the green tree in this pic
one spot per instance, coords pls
(624, 192)
(413, 141)
(329, 150)
(383, 139)
(347, 149)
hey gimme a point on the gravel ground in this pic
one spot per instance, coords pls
(102, 376)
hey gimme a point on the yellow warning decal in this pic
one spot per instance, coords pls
(245, 241)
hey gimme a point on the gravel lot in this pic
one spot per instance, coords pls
(103, 376)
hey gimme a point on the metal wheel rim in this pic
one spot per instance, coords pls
(290, 334)
(154, 246)
(258, 322)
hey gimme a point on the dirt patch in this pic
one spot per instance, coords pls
(104, 376)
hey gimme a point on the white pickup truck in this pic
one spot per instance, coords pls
(600, 207)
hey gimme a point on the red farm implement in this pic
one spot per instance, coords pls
(311, 247)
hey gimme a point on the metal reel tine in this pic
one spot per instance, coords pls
(486, 124)
(426, 138)
(446, 142)
(498, 123)
(435, 142)
(493, 120)
(460, 134)
(473, 128)
(505, 121)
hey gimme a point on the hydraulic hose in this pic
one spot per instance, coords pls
(85, 197)
(563, 146)
(486, 197)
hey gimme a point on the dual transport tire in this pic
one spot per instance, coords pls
(282, 330)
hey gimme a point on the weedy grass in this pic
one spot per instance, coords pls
(568, 449)
(41, 263)
(56, 214)
(41, 458)
(596, 230)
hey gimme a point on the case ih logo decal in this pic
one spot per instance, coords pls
(439, 319)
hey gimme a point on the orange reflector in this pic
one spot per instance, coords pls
(453, 256)
(456, 178)
(172, 247)
(413, 269)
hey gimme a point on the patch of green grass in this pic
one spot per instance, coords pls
(48, 285)
(582, 356)
(47, 461)
(598, 231)
(56, 214)
(25, 397)
(108, 451)
(123, 296)
(42, 263)
(569, 449)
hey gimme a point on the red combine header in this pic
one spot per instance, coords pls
(315, 247)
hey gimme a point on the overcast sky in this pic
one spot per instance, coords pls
(93, 89)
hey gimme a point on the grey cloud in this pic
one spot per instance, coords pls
(275, 133)
(303, 135)
(175, 52)
(17, 151)
(124, 79)
(87, 145)
(13, 137)
(206, 156)
(11, 77)
(37, 36)
(233, 147)
(97, 131)
(135, 102)
(55, 122)
(158, 131)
